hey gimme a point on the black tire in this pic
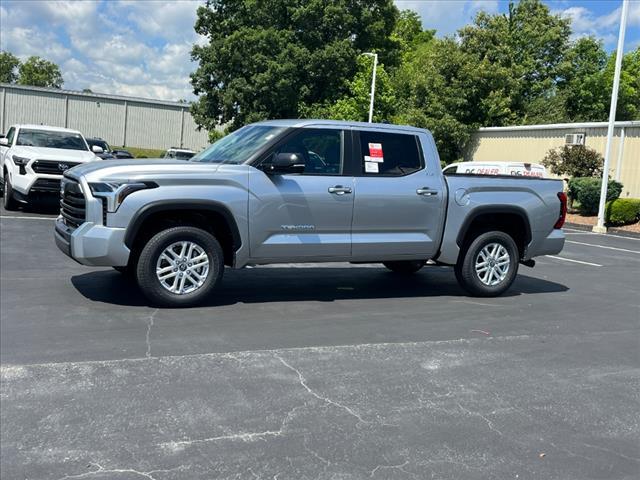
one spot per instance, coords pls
(466, 273)
(8, 201)
(404, 266)
(146, 269)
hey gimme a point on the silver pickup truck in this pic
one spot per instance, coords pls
(304, 191)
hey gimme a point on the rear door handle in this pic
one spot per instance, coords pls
(339, 190)
(427, 192)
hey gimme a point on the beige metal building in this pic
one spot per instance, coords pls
(530, 143)
(129, 121)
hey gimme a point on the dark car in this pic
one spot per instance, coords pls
(107, 153)
(121, 154)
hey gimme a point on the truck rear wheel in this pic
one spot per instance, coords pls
(404, 266)
(489, 265)
(180, 267)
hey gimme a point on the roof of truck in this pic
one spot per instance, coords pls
(47, 127)
(298, 123)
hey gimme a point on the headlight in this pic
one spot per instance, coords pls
(20, 161)
(115, 193)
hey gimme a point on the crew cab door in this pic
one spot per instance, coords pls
(400, 195)
(304, 211)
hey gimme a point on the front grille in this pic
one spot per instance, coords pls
(46, 185)
(52, 167)
(72, 203)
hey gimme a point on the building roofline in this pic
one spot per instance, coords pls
(97, 96)
(560, 126)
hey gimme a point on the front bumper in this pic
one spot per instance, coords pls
(93, 245)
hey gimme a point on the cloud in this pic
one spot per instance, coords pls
(139, 48)
(445, 16)
(584, 22)
(143, 47)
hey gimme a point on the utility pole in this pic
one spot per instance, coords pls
(599, 227)
(373, 83)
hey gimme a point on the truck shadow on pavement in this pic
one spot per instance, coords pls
(42, 205)
(326, 284)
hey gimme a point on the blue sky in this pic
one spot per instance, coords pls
(141, 48)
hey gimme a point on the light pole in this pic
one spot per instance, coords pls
(612, 118)
(373, 82)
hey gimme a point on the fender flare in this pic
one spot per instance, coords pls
(172, 205)
(495, 210)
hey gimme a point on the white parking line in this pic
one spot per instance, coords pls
(27, 218)
(603, 246)
(614, 235)
(575, 261)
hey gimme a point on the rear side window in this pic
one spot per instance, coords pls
(389, 154)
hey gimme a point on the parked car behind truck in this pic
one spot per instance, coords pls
(305, 191)
(33, 158)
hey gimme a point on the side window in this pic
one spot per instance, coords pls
(10, 135)
(320, 149)
(390, 154)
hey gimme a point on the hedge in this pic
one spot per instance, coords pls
(586, 190)
(622, 211)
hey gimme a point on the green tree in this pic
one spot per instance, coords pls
(354, 105)
(264, 59)
(528, 45)
(9, 64)
(574, 161)
(408, 32)
(435, 90)
(39, 72)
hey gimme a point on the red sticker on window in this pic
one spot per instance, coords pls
(375, 150)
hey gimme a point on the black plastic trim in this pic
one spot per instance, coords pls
(172, 205)
(494, 210)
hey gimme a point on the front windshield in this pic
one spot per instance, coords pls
(51, 139)
(184, 155)
(238, 146)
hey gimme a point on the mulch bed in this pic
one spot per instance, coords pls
(575, 220)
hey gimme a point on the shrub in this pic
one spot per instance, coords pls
(574, 161)
(623, 211)
(587, 192)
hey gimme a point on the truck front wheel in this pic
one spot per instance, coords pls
(489, 265)
(180, 267)
(8, 201)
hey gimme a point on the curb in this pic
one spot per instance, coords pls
(617, 231)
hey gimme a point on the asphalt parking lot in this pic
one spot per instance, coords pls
(329, 371)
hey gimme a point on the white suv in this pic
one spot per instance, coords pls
(34, 157)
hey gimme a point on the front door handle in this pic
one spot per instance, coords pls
(427, 192)
(339, 190)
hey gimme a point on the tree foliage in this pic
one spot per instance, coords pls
(574, 161)
(354, 104)
(285, 58)
(38, 72)
(264, 59)
(8, 67)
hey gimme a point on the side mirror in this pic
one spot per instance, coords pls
(286, 163)
(4, 141)
(97, 149)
